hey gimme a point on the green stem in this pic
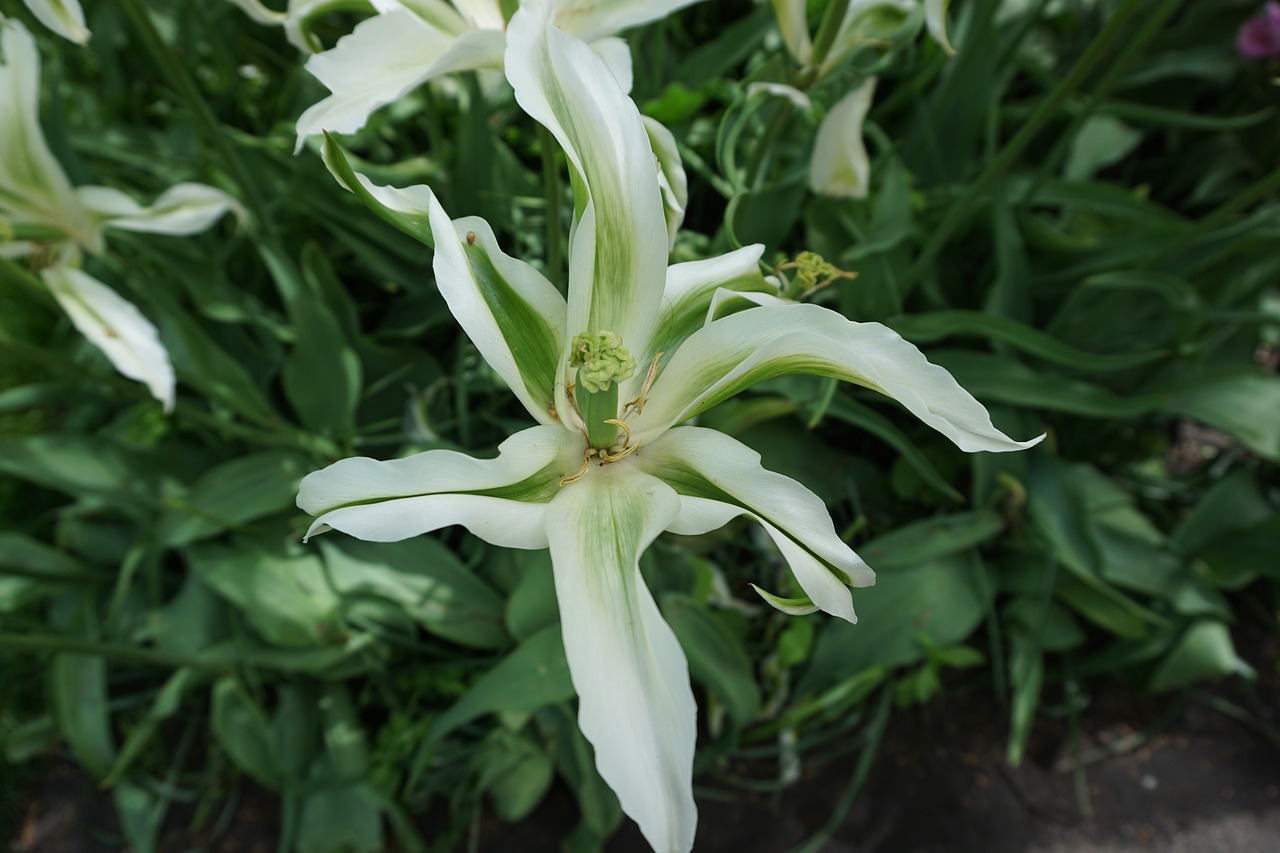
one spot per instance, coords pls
(1049, 107)
(597, 407)
(1150, 28)
(16, 275)
(211, 129)
(832, 17)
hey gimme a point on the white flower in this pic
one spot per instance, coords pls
(296, 18)
(409, 43)
(64, 17)
(637, 348)
(45, 215)
(864, 21)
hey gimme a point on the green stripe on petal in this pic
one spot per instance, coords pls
(64, 17)
(635, 704)
(406, 208)
(618, 254)
(513, 315)
(691, 289)
(500, 500)
(735, 352)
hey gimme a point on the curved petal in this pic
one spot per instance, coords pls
(382, 60)
(181, 209)
(671, 177)
(616, 54)
(618, 252)
(735, 352)
(635, 704)
(501, 500)
(709, 465)
(513, 315)
(692, 292)
(869, 22)
(115, 326)
(33, 187)
(839, 165)
(935, 18)
(64, 17)
(794, 26)
(593, 19)
(407, 208)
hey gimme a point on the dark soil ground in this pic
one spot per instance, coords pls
(1183, 774)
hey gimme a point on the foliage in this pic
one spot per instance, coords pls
(1075, 215)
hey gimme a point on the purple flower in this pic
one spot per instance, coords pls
(1259, 37)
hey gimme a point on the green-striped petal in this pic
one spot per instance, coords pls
(501, 500)
(735, 352)
(635, 705)
(618, 251)
(719, 478)
(64, 17)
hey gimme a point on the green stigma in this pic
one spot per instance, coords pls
(601, 360)
(809, 272)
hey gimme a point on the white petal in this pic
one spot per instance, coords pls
(593, 19)
(64, 17)
(116, 327)
(33, 187)
(635, 704)
(259, 13)
(839, 166)
(868, 21)
(385, 501)
(616, 54)
(498, 521)
(383, 59)
(691, 290)
(794, 26)
(701, 463)
(618, 251)
(735, 352)
(513, 315)
(181, 209)
(935, 18)
(671, 176)
(780, 90)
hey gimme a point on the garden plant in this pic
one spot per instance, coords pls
(411, 409)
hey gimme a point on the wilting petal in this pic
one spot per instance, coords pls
(691, 289)
(382, 60)
(725, 474)
(513, 315)
(64, 17)
(671, 178)
(635, 704)
(737, 351)
(116, 327)
(839, 166)
(794, 26)
(935, 18)
(33, 187)
(618, 252)
(181, 209)
(407, 208)
(593, 19)
(501, 500)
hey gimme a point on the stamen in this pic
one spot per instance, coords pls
(582, 472)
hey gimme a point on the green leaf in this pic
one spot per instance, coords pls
(1204, 651)
(233, 493)
(285, 598)
(931, 539)
(937, 325)
(536, 674)
(80, 703)
(1243, 403)
(425, 580)
(80, 465)
(345, 819)
(943, 600)
(516, 773)
(716, 657)
(242, 730)
(532, 605)
(1100, 142)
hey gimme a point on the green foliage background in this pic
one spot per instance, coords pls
(1076, 215)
